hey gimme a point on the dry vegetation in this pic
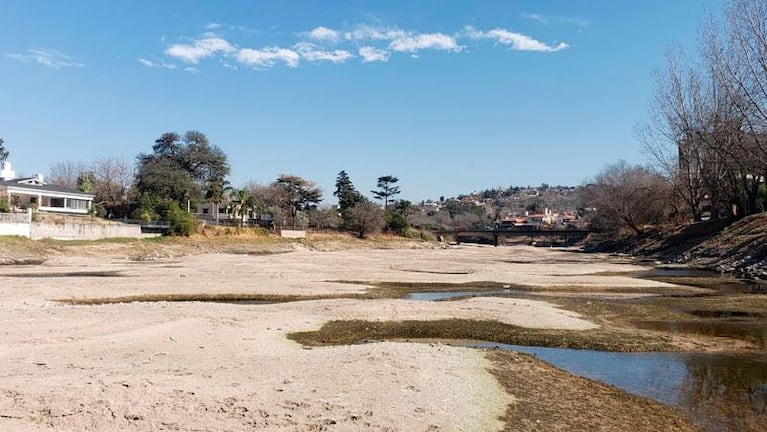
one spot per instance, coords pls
(251, 241)
(552, 400)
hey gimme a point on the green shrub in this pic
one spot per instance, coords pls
(4, 206)
(413, 233)
(396, 222)
(182, 223)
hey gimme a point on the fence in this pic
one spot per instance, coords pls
(16, 218)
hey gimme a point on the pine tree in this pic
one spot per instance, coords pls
(386, 189)
(347, 195)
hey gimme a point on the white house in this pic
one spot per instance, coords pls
(33, 192)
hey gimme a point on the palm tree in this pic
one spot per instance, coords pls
(216, 191)
(243, 202)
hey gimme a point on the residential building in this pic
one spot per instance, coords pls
(35, 193)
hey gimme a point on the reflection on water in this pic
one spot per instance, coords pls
(723, 282)
(749, 330)
(717, 392)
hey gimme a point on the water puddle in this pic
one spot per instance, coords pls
(448, 295)
(717, 392)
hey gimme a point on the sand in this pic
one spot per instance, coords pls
(212, 366)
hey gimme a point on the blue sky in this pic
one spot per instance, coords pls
(450, 96)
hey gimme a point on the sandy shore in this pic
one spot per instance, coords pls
(213, 366)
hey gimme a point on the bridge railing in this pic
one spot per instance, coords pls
(149, 224)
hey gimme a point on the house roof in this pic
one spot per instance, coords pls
(33, 184)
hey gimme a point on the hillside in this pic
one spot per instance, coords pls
(739, 247)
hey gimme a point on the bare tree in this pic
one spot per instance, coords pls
(265, 195)
(677, 134)
(3, 152)
(736, 53)
(708, 128)
(628, 196)
(113, 178)
(66, 173)
(366, 218)
(325, 217)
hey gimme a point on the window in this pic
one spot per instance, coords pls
(77, 204)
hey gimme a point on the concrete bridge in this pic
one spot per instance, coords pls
(532, 236)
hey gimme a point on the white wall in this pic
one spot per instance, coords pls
(293, 233)
(14, 229)
(83, 231)
(15, 224)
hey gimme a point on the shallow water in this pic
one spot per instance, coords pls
(717, 392)
(723, 282)
(751, 330)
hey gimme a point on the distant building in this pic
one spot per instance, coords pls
(34, 192)
(547, 217)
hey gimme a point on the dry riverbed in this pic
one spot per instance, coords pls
(79, 351)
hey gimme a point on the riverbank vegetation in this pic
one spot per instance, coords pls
(706, 134)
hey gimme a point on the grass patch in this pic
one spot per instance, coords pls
(216, 298)
(102, 274)
(22, 262)
(549, 399)
(357, 331)
(402, 289)
(709, 320)
(444, 272)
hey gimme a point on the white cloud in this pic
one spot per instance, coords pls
(192, 70)
(373, 54)
(575, 21)
(322, 33)
(311, 53)
(403, 40)
(535, 17)
(415, 42)
(156, 64)
(517, 41)
(46, 57)
(267, 57)
(200, 49)
(370, 43)
(368, 32)
(568, 20)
